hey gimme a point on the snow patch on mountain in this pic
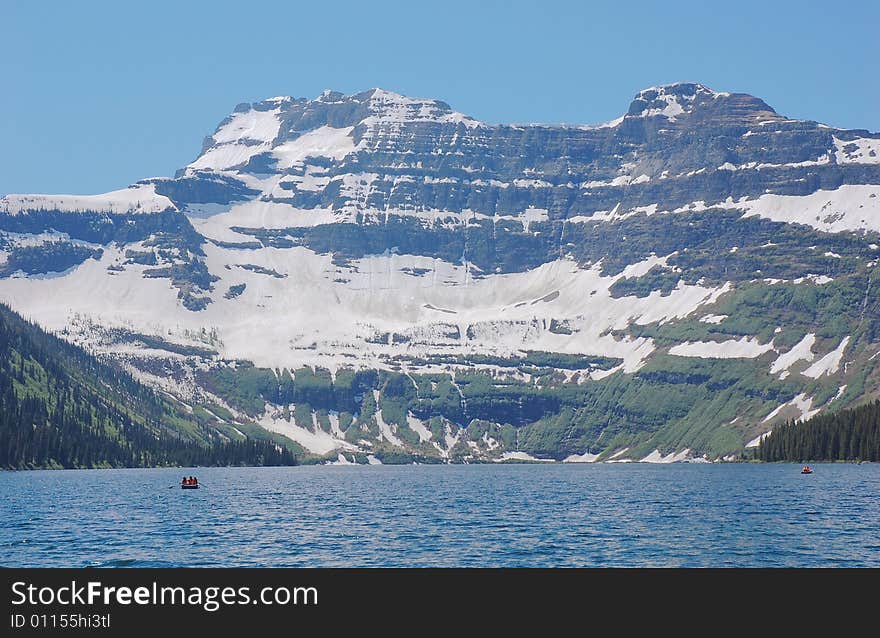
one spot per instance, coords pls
(744, 348)
(324, 141)
(317, 441)
(862, 150)
(136, 199)
(257, 214)
(850, 207)
(521, 456)
(802, 351)
(757, 440)
(586, 457)
(673, 457)
(341, 459)
(243, 136)
(802, 403)
(252, 125)
(19, 240)
(829, 364)
(386, 429)
(332, 313)
(610, 124)
(418, 426)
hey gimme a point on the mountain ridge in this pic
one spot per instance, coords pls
(700, 234)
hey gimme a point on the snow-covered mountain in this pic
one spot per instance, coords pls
(374, 274)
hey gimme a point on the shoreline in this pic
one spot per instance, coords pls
(541, 463)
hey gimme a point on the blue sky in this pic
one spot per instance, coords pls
(96, 95)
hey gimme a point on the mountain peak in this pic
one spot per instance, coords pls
(682, 88)
(671, 100)
(329, 96)
(685, 98)
(389, 106)
(257, 129)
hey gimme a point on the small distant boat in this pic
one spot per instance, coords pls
(806, 470)
(190, 487)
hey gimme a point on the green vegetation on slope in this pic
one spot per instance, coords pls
(62, 407)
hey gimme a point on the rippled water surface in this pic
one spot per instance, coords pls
(688, 515)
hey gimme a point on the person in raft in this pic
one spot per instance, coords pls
(184, 481)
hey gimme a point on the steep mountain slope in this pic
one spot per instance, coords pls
(61, 407)
(667, 285)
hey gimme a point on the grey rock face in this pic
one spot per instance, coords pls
(675, 145)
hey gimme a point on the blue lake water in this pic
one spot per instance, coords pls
(636, 515)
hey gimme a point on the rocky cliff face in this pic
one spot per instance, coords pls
(379, 151)
(376, 275)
